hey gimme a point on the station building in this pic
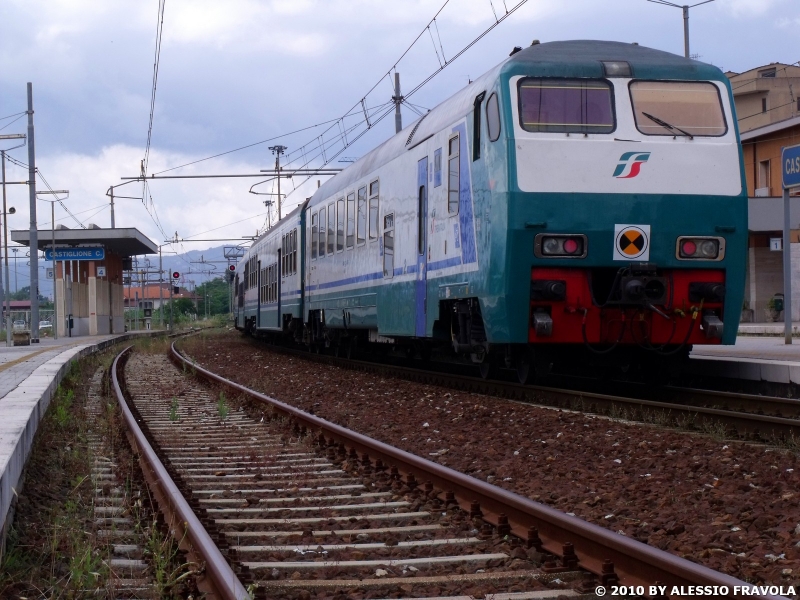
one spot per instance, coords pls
(768, 111)
(88, 274)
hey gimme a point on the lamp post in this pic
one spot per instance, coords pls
(53, 239)
(685, 9)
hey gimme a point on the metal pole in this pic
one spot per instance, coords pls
(34, 234)
(278, 169)
(55, 301)
(787, 271)
(171, 323)
(398, 99)
(5, 238)
(685, 30)
(112, 207)
(160, 291)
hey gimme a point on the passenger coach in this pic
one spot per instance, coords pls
(581, 198)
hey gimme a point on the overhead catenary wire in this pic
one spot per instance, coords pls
(9, 124)
(326, 147)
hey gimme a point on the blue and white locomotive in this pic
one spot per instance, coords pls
(580, 197)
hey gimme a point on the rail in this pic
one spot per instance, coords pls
(598, 550)
(179, 515)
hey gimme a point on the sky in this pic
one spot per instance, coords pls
(249, 72)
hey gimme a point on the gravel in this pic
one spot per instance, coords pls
(729, 505)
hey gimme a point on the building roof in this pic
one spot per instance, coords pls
(771, 128)
(124, 242)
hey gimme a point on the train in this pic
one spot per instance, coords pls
(581, 203)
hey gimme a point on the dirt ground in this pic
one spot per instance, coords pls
(731, 506)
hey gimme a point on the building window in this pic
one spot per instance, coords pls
(768, 72)
(763, 105)
(763, 176)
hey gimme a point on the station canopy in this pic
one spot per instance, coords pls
(124, 242)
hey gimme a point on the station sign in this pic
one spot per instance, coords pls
(89, 253)
(790, 166)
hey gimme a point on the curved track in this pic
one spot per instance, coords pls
(489, 513)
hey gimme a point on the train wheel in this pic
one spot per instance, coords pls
(524, 368)
(488, 369)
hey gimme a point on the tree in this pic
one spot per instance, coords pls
(217, 293)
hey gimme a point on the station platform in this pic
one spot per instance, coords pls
(29, 377)
(760, 354)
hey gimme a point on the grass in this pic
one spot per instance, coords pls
(222, 406)
(173, 410)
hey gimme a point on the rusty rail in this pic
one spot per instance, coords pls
(598, 550)
(190, 533)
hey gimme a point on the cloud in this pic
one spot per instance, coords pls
(748, 8)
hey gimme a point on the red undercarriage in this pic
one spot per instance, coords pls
(577, 320)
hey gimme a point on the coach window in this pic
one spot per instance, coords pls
(331, 227)
(351, 220)
(340, 225)
(388, 246)
(283, 255)
(454, 177)
(493, 118)
(682, 108)
(322, 232)
(566, 105)
(373, 210)
(361, 218)
(294, 251)
(437, 167)
(314, 234)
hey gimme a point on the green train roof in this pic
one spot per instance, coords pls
(583, 58)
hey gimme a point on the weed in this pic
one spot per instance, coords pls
(163, 553)
(222, 406)
(173, 410)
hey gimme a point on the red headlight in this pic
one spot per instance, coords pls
(689, 248)
(571, 246)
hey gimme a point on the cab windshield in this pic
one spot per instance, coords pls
(678, 108)
(566, 105)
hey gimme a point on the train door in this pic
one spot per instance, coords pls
(279, 269)
(422, 248)
(259, 283)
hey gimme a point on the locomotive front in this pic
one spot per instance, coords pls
(627, 195)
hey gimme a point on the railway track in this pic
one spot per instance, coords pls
(300, 506)
(750, 416)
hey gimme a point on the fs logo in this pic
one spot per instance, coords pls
(629, 164)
